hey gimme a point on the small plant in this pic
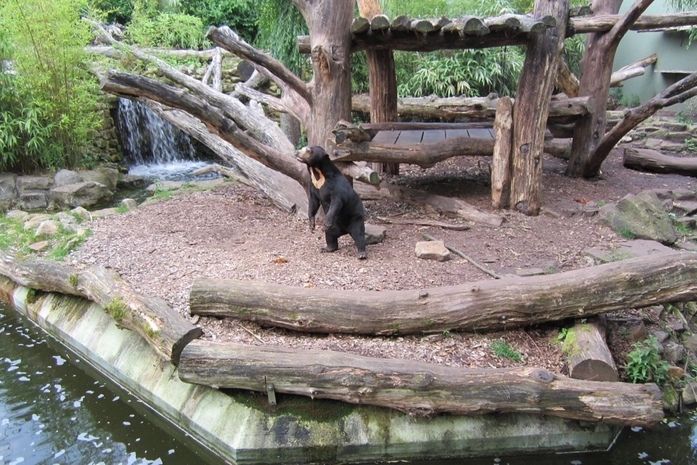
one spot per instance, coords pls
(601, 203)
(551, 270)
(149, 331)
(117, 309)
(446, 332)
(691, 145)
(502, 350)
(618, 256)
(644, 363)
(72, 279)
(626, 233)
(563, 332)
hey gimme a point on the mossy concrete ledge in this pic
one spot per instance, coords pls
(242, 428)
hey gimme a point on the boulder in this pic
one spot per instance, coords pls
(8, 190)
(374, 234)
(641, 216)
(66, 177)
(33, 200)
(432, 250)
(82, 194)
(48, 228)
(107, 176)
(32, 183)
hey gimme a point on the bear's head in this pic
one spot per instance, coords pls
(312, 156)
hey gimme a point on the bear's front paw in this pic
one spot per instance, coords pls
(327, 225)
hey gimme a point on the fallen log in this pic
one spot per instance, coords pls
(416, 387)
(165, 330)
(419, 222)
(656, 162)
(587, 354)
(485, 305)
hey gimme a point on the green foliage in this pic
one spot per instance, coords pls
(691, 145)
(563, 332)
(14, 239)
(466, 72)
(574, 48)
(43, 100)
(644, 363)
(150, 28)
(450, 9)
(240, 15)
(117, 309)
(116, 11)
(279, 25)
(502, 350)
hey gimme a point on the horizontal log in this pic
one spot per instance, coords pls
(416, 387)
(165, 330)
(476, 108)
(603, 23)
(656, 162)
(425, 155)
(489, 305)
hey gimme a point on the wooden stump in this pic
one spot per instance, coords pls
(587, 354)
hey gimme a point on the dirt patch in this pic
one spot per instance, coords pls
(234, 232)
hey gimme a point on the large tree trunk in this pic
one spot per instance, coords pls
(531, 108)
(383, 82)
(165, 330)
(596, 70)
(417, 387)
(329, 23)
(478, 306)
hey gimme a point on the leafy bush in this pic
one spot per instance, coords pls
(466, 72)
(644, 363)
(240, 15)
(150, 28)
(46, 87)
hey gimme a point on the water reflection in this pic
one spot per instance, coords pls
(51, 413)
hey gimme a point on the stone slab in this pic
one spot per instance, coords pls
(244, 429)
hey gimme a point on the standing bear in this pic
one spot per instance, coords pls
(343, 209)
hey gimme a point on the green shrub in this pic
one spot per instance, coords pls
(241, 15)
(150, 28)
(644, 363)
(46, 97)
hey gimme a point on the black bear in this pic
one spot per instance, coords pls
(343, 209)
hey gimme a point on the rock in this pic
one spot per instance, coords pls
(685, 207)
(33, 200)
(33, 221)
(689, 393)
(629, 249)
(130, 204)
(82, 194)
(635, 331)
(67, 221)
(673, 352)
(641, 216)
(374, 234)
(48, 228)
(17, 215)
(675, 372)
(661, 336)
(29, 183)
(131, 181)
(432, 250)
(82, 213)
(106, 176)
(39, 246)
(8, 190)
(689, 341)
(66, 177)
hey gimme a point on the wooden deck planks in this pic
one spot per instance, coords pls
(429, 136)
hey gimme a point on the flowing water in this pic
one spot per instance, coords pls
(153, 148)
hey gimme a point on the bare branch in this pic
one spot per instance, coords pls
(629, 18)
(230, 41)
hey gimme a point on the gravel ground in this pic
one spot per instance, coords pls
(234, 232)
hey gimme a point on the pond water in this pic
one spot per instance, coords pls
(55, 410)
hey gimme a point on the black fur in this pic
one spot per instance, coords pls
(344, 212)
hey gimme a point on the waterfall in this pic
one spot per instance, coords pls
(151, 146)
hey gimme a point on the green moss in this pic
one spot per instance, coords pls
(302, 408)
(72, 279)
(151, 333)
(570, 345)
(117, 309)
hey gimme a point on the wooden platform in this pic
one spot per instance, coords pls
(429, 136)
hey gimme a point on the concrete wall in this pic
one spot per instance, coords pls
(675, 59)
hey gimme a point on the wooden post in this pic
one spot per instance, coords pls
(501, 163)
(531, 108)
(587, 354)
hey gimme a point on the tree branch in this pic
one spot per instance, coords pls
(227, 39)
(629, 18)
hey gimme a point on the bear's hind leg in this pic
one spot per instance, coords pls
(358, 235)
(332, 241)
